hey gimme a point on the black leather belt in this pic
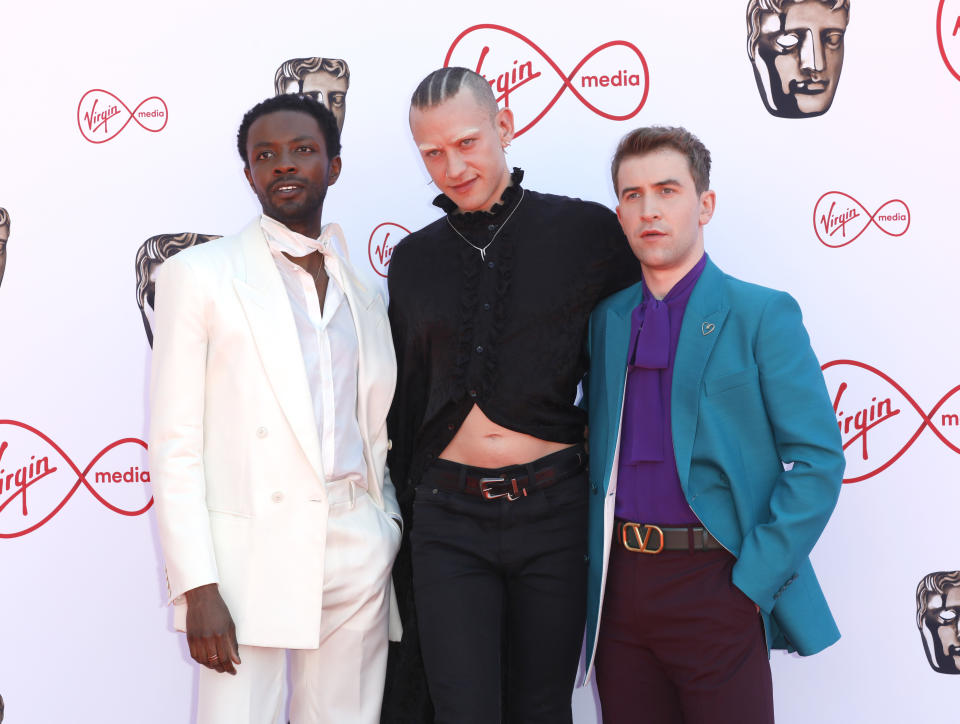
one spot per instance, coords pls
(512, 482)
(653, 539)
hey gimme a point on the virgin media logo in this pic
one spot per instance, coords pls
(612, 80)
(948, 34)
(383, 239)
(101, 115)
(37, 478)
(878, 419)
(839, 219)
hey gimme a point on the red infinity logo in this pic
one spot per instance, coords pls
(28, 458)
(380, 247)
(869, 406)
(98, 110)
(839, 219)
(948, 26)
(625, 70)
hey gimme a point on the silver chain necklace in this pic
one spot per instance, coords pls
(483, 249)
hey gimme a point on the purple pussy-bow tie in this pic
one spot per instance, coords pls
(649, 355)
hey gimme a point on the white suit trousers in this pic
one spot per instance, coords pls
(342, 679)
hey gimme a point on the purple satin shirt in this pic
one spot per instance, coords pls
(648, 486)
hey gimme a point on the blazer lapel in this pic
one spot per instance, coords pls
(366, 324)
(616, 341)
(702, 325)
(267, 309)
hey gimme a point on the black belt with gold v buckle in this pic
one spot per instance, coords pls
(653, 539)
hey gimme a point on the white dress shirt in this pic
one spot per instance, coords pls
(328, 341)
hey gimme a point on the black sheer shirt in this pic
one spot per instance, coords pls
(505, 332)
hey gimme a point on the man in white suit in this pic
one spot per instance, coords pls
(273, 370)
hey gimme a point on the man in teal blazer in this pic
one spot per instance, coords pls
(698, 561)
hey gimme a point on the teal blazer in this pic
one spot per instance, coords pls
(748, 396)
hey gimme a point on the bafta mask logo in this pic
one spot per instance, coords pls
(151, 254)
(4, 235)
(938, 614)
(326, 79)
(796, 47)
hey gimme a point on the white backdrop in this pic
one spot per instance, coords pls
(84, 633)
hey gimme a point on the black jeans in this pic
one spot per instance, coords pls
(479, 565)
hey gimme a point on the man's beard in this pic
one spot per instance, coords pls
(294, 211)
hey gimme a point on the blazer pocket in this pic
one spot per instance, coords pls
(723, 383)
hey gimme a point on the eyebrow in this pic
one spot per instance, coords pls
(469, 132)
(656, 184)
(466, 134)
(298, 139)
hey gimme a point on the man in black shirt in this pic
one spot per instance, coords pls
(489, 308)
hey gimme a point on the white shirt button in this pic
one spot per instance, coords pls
(261, 432)
(277, 497)
(389, 444)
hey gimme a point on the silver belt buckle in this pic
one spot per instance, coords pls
(489, 494)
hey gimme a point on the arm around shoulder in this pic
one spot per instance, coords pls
(621, 267)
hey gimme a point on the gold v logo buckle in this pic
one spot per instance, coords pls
(643, 541)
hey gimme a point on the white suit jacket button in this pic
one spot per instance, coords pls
(261, 432)
(277, 497)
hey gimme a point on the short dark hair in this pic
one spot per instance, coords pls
(444, 83)
(645, 140)
(291, 102)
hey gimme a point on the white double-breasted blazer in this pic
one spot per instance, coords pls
(235, 454)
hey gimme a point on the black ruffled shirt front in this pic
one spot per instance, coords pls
(505, 332)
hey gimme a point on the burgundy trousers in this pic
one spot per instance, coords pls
(679, 643)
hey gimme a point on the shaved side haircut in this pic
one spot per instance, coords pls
(443, 84)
